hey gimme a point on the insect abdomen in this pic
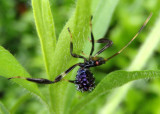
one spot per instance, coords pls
(85, 80)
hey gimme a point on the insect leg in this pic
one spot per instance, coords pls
(146, 21)
(92, 38)
(103, 40)
(59, 78)
(71, 48)
(71, 81)
(46, 81)
(36, 80)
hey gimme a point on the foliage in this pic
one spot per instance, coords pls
(62, 97)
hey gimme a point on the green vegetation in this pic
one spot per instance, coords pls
(49, 56)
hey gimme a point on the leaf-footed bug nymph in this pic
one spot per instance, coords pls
(85, 80)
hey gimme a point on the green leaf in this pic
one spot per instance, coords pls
(3, 109)
(145, 52)
(111, 81)
(46, 31)
(19, 102)
(10, 67)
(102, 11)
(102, 15)
(79, 26)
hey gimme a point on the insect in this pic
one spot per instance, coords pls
(85, 80)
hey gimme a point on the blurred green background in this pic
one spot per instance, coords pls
(18, 35)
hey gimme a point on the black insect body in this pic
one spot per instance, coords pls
(85, 80)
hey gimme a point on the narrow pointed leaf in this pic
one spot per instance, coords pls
(10, 67)
(102, 13)
(46, 31)
(79, 27)
(140, 61)
(114, 80)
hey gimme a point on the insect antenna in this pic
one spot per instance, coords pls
(146, 21)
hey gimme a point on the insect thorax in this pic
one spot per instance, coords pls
(85, 80)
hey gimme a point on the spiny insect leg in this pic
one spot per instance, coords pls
(60, 77)
(92, 38)
(36, 80)
(108, 44)
(146, 21)
(71, 48)
(46, 81)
